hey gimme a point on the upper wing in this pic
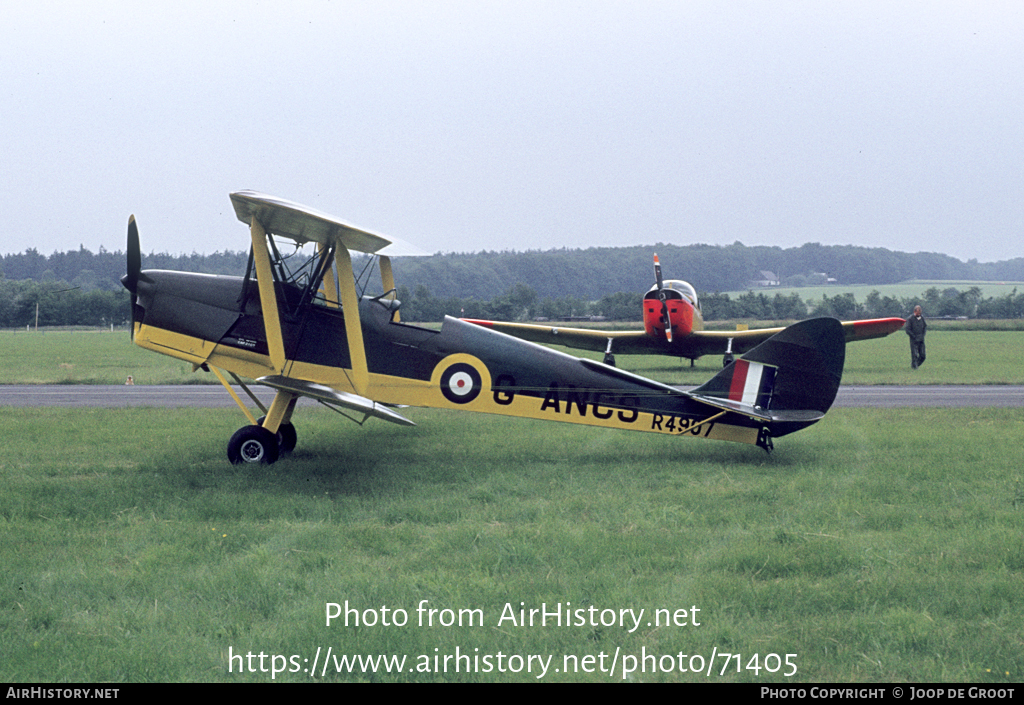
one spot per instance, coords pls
(304, 224)
(698, 343)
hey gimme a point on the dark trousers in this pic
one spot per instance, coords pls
(916, 353)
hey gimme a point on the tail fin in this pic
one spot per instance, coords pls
(793, 377)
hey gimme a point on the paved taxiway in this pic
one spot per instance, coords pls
(213, 396)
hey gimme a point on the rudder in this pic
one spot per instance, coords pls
(797, 370)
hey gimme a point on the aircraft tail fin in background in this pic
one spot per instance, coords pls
(792, 377)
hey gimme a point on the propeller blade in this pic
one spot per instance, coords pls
(134, 266)
(131, 279)
(666, 322)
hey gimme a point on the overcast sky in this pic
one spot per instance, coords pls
(468, 125)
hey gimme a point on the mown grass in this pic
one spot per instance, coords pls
(954, 357)
(877, 546)
(86, 357)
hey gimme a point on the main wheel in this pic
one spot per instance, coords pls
(286, 436)
(253, 444)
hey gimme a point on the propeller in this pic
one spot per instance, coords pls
(134, 275)
(666, 322)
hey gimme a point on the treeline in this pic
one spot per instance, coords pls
(104, 269)
(83, 288)
(587, 274)
(593, 273)
(521, 303)
(937, 303)
(58, 303)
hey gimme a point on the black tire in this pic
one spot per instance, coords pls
(253, 444)
(286, 436)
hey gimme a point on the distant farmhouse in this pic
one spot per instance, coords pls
(765, 279)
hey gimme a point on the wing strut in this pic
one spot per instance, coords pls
(268, 295)
(227, 386)
(330, 289)
(353, 327)
(387, 278)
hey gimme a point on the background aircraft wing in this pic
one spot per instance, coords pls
(872, 328)
(629, 342)
(698, 343)
(716, 342)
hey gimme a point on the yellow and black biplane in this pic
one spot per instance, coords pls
(298, 323)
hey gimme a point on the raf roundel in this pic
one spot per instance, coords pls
(460, 383)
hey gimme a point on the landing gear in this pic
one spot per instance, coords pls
(729, 357)
(286, 436)
(253, 444)
(609, 359)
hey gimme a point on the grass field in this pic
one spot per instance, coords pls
(955, 356)
(907, 289)
(86, 357)
(879, 546)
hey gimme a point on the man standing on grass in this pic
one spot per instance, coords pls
(916, 327)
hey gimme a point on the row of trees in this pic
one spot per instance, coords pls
(596, 272)
(26, 303)
(589, 274)
(23, 303)
(522, 303)
(104, 269)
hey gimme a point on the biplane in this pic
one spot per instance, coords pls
(673, 325)
(300, 322)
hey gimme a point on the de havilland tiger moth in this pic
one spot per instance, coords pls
(298, 324)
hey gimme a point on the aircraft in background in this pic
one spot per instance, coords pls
(673, 325)
(299, 324)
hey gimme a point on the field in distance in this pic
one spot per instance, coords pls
(907, 289)
(954, 357)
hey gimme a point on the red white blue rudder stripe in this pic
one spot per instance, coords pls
(752, 383)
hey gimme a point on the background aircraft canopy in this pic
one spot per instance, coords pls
(684, 288)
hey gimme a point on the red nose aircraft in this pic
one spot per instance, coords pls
(670, 308)
(673, 325)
